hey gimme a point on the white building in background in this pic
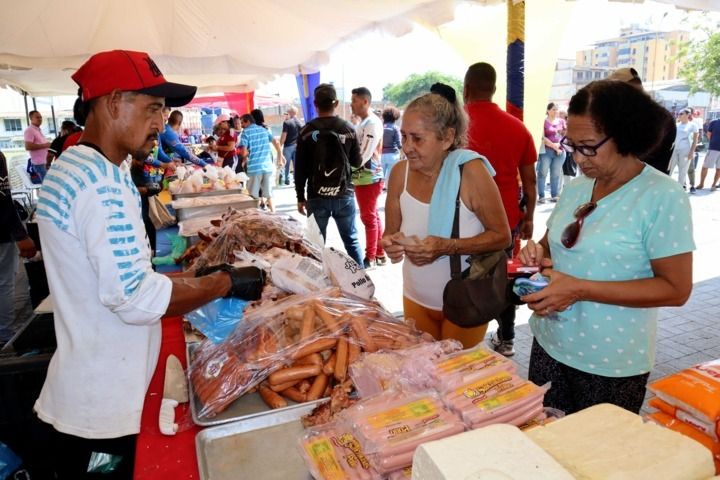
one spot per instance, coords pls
(569, 78)
(13, 119)
(652, 54)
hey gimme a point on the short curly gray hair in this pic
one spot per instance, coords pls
(441, 115)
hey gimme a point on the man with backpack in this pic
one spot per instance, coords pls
(327, 151)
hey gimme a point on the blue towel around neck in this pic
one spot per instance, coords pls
(442, 203)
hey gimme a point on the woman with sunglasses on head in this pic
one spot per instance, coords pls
(618, 246)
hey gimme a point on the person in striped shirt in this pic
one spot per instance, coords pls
(257, 161)
(108, 300)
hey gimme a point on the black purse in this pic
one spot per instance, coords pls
(477, 294)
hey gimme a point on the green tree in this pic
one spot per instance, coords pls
(418, 84)
(701, 68)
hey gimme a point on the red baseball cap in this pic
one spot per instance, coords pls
(131, 72)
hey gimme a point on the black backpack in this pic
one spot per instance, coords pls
(332, 173)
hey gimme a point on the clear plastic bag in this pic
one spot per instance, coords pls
(333, 453)
(459, 368)
(391, 425)
(103, 462)
(275, 338)
(410, 369)
(502, 397)
(298, 274)
(218, 318)
(254, 231)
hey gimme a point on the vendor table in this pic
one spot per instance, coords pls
(159, 456)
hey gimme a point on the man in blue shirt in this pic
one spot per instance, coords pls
(256, 159)
(171, 140)
(712, 158)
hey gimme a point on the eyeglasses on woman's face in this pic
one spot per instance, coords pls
(584, 150)
(571, 233)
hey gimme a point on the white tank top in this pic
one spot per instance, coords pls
(424, 285)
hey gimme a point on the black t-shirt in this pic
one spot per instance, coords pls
(305, 163)
(291, 127)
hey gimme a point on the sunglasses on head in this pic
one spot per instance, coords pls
(571, 233)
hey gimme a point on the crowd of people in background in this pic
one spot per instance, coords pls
(617, 246)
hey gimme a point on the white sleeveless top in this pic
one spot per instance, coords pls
(424, 285)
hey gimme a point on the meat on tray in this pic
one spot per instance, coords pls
(252, 230)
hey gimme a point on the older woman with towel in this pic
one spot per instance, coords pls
(420, 203)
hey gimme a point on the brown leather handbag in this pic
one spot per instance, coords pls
(477, 294)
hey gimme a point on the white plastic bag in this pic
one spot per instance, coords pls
(344, 272)
(298, 274)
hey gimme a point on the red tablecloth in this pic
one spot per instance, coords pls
(159, 456)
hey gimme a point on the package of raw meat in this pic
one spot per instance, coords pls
(253, 230)
(410, 369)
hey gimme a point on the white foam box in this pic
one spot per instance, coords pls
(495, 452)
(608, 442)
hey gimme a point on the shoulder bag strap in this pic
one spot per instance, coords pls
(455, 271)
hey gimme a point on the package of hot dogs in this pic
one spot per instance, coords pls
(459, 368)
(391, 425)
(502, 397)
(410, 369)
(333, 453)
(402, 474)
(301, 345)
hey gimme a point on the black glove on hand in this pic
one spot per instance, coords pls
(247, 282)
(153, 189)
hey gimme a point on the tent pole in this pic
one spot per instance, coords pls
(34, 104)
(515, 100)
(52, 111)
(27, 112)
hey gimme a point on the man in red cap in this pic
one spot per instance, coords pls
(108, 301)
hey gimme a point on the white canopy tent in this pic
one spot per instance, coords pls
(218, 46)
(235, 46)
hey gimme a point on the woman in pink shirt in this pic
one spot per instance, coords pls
(553, 157)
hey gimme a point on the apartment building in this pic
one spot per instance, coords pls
(653, 54)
